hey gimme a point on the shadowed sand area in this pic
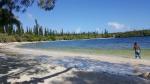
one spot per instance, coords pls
(100, 78)
(52, 67)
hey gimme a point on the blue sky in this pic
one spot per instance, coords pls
(91, 15)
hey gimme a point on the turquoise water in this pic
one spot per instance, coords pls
(110, 43)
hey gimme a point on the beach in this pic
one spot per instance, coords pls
(74, 42)
(53, 67)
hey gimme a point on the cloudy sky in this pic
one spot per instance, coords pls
(91, 15)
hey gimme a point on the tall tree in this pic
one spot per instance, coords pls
(7, 20)
(20, 30)
(46, 32)
(62, 32)
(36, 28)
(41, 31)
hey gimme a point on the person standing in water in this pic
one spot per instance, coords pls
(137, 50)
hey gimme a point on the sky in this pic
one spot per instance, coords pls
(91, 15)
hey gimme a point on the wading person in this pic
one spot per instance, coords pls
(137, 50)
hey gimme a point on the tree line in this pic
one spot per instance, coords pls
(40, 33)
(134, 33)
(11, 28)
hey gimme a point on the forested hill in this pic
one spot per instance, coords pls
(135, 33)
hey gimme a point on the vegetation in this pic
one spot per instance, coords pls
(135, 33)
(7, 17)
(38, 33)
(10, 27)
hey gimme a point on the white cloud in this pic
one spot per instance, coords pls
(30, 16)
(116, 25)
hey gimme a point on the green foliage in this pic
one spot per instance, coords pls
(7, 38)
(38, 33)
(22, 5)
(133, 33)
(46, 4)
(7, 21)
(26, 36)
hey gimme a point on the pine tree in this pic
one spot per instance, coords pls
(62, 32)
(36, 28)
(46, 32)
(41, 31)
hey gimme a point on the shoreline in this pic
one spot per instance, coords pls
(31, 53)
(12, 48)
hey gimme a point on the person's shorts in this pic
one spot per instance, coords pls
(137, 53)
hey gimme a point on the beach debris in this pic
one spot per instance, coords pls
(53, 67)
(145, 75)
(140, 72)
